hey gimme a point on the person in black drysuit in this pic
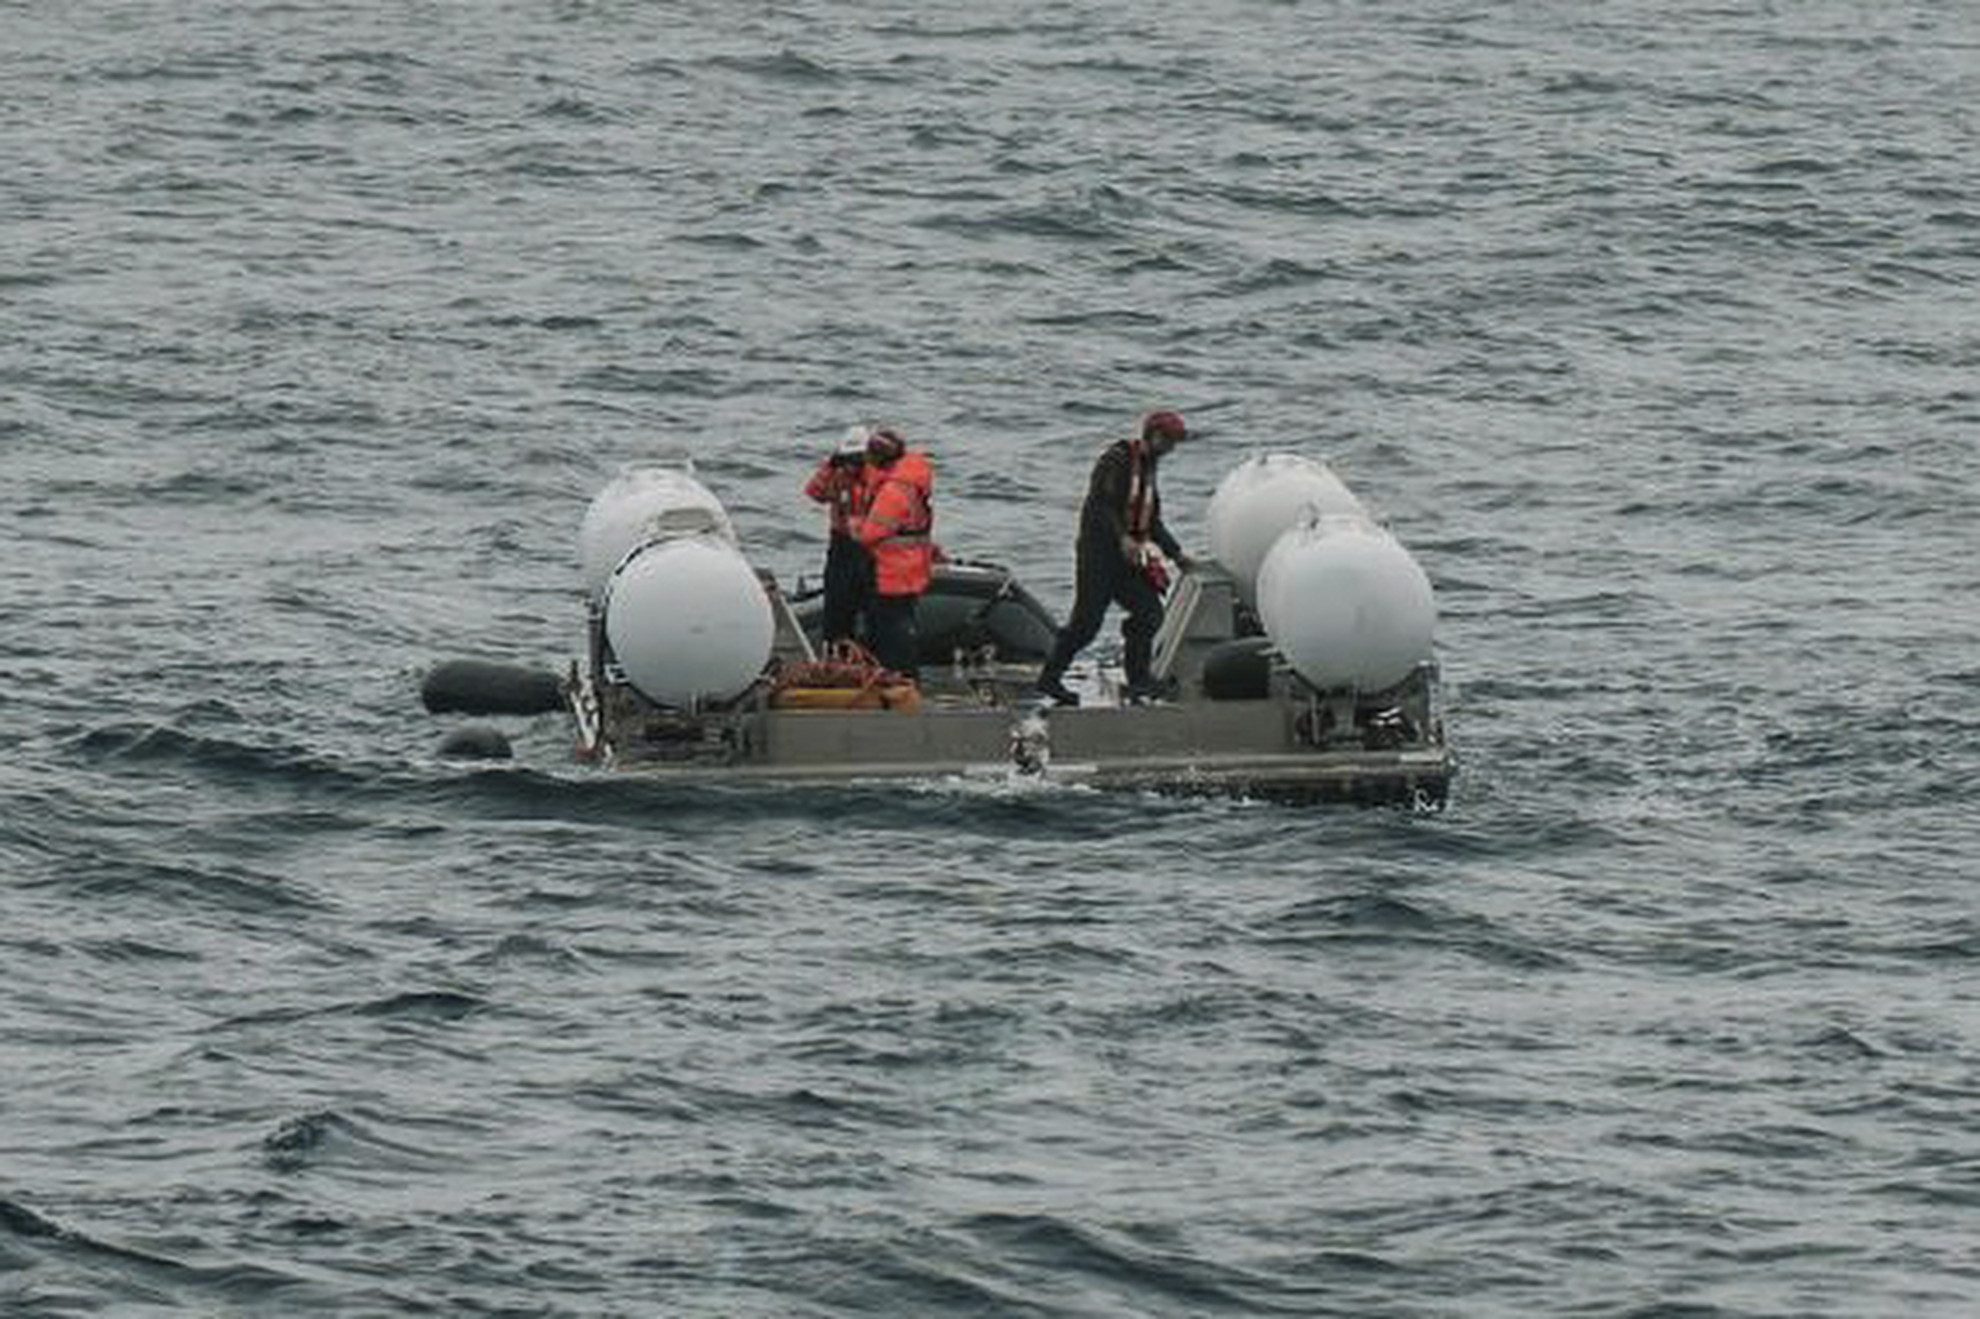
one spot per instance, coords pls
(1120, 527)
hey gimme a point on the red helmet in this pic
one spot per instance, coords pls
(1167, 425)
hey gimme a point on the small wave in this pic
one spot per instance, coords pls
(1359, 911)
(1276, 274)
(1305, 202)
(378, 58)
(1841, 1043)
(154, 744)
(576, 110)
(129, 949)
(1793, 167)
(1160, 1277)
(199, 488)
(289, 1146)
(325, 1137)
(698, 382)
(529, 950)
(413, 1005)
(1379, 919)
(226, 887)
(205, 66)
(1052, 220)
(785, 66)
(934, 1277)
(119, 1275)
(25, 1222)
(431, 1005)
(1581, 82)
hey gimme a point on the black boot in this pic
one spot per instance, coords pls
(1051, 678)
(1137, 661)
(1050, 684)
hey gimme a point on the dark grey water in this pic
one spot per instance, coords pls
(1652, 329)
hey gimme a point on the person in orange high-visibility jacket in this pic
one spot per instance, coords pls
(898, 529)
(841, 484)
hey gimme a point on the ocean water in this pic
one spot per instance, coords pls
(1650, 328)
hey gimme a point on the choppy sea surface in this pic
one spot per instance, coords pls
(1650, 328)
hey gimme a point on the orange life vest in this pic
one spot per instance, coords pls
(1141, 498)
(897, 525)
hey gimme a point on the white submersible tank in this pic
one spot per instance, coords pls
(643, 504)
(687, 617)
(1346, 604)
(1339, 596)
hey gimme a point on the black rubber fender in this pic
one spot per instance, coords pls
(476, 742)
(1239, 670)
(970, 607)
(468, 686)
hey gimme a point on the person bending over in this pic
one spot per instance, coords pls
(1120, 530)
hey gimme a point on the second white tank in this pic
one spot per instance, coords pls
(1346, 604)
(642, 504)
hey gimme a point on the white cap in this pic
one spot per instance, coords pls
(853, 442)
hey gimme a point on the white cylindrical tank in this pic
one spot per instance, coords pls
(642, 504)
(688, 620)
(1346, 604)
(1260, 500)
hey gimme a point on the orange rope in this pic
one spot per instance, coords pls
(846, 664)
